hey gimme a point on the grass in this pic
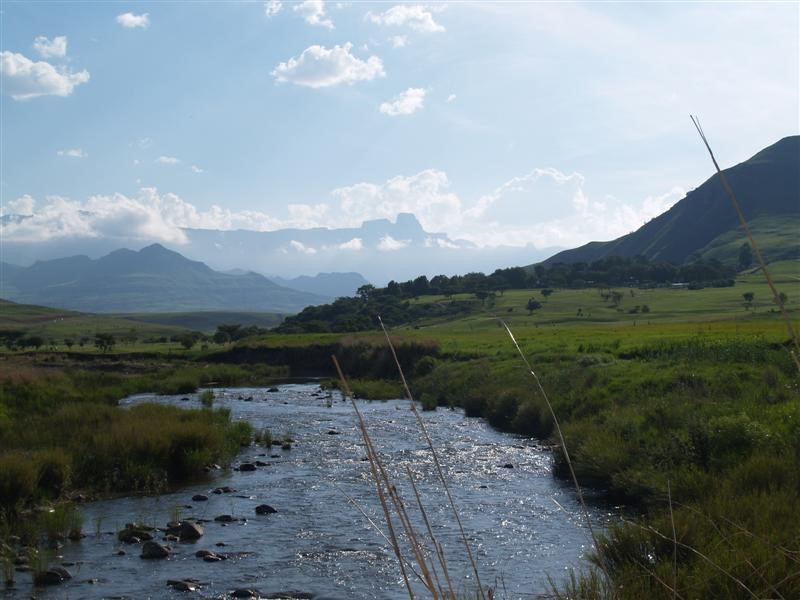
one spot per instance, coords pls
(688, 413)
(60, 430)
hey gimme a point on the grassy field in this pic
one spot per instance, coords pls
(206, 321)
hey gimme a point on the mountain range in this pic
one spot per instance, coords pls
(704, 224)
(379, 250)
(154, 279)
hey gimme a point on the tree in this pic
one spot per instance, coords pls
(546, 292)
(365, 291)
(748, 299)
(104, 342)
(533, 305)
(745, 256)
(616, 297)
(782, 299)
(69, 343)
(33, 341)
(187, 341)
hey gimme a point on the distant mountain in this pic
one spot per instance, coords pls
(153, 279)
(333, 285)
(704, 224)
(379, 250)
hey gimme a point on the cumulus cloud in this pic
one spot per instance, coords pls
(55, 48)
(425, 194)
(149, 216)
(319, 67)
(405, 103)
(354, 244)
(132, 21)
(272, 7)
(196, 169)
(389, 244)
(416, 17)
(23, 205)
(23, 79)
(301, 248)
(313, 11)
(168, 160)
(451, 97)
(73, 153)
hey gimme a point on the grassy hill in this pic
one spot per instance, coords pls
(705, 223)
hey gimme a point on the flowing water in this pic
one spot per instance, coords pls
(523, 524)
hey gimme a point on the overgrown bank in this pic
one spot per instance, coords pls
(61, 431)
(696, 426)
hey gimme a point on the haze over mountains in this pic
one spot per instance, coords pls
(153, 279)
(379, 250)
(704, 224)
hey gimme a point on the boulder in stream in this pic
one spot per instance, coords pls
(265, 509)
(151, 549)
(186, 530)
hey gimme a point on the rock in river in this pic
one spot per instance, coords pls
(265, 509)
(151, 549)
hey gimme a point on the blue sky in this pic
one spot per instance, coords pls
(549, 124)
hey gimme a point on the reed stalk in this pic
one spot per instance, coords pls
(435, 457)
(563, 443)
(376, 477)
(795, 353)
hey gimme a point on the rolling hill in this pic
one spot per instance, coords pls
(704, 223)
(153, 279)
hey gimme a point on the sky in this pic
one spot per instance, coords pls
(506, 124)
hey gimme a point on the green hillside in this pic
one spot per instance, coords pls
(704, 223)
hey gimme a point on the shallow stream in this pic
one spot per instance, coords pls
(522, 523)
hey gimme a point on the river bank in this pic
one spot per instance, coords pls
(523, 523)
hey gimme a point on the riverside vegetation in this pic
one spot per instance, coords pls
(688, 411)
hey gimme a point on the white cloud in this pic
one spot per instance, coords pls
(451, 97)
(302, 248)
(168, 160)
(319, 67)
(404, 103)
(389, 244)
(55, 48)
(151, 215)
(73, 153)
(416, 17)
(23, 205)
(354, 244)
(196, 169)
(313, 11)
(23, 79)
(425, 194)
(132, 21)
(398, 41)
(272, 7)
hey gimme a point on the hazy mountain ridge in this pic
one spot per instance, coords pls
(768, 189)
(334, 285)
(379, 250)
(152, 279)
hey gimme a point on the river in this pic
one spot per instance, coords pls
(522, 523)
